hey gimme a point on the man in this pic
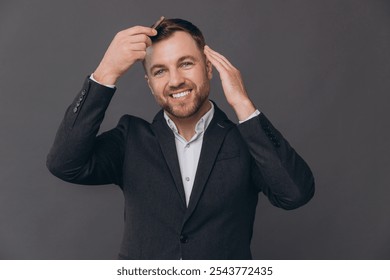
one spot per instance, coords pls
(191, 178)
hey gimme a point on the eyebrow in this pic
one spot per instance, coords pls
(181, 59)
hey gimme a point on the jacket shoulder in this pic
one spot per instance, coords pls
(130, 120)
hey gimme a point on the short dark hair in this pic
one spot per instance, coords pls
(168, 26)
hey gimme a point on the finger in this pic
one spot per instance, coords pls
(211, 58)
(140, 30)
(217, 62)
(138, 46)
(139, 55)
(140, 38)
(219, 57)
(221, 67)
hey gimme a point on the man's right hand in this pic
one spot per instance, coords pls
(126, 48)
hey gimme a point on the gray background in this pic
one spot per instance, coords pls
(318, 69)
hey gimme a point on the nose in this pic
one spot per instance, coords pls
(176, 79)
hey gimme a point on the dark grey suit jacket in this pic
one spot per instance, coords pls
(236, 163)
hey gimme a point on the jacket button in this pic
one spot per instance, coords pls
(83, 92)
(75, 110)
(183, 238)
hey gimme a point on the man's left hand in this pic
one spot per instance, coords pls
(232, 84)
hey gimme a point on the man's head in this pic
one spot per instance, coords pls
(177, 71)
(169, 26)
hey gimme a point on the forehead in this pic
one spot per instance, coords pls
(171, 49)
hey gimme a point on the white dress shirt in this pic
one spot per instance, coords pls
(188, 152)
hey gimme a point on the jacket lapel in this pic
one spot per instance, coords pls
(166, 139)
(212, 142)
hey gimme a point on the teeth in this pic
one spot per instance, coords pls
(181, 94)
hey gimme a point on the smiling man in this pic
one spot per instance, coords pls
(191, 178)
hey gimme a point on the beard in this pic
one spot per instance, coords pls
(187, 109)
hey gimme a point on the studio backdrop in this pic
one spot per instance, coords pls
(319, 69)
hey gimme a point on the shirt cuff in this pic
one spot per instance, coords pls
(254, 114)
(93, 79)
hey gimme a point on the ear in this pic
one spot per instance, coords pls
(147, 80)
(209, 69)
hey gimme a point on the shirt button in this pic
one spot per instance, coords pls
(188, 145)
(187, 179)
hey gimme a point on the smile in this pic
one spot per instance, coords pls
(181, 94)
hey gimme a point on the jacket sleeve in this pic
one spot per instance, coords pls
(278, 171)
(78, 155)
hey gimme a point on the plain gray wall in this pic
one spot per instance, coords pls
(319, 69)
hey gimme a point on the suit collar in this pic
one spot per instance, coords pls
(166, 139)
(200, 126)
(212, 142)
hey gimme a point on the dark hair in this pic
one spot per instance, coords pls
(168, 26)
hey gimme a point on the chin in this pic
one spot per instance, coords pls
(183, 112)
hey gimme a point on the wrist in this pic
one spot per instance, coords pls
(243, 109)
(91, 77)
(105, 77)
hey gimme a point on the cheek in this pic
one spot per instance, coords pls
(157, 87)
(195, 77)
(204, 74)
(203, 79)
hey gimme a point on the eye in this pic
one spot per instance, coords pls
(187, 64)
(159, 72)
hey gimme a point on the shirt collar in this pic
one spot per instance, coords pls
(200, 126)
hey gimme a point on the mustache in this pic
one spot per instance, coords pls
(182, 86)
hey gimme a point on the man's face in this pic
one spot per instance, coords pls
(178, 75)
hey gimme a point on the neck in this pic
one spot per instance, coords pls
(186, 126)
